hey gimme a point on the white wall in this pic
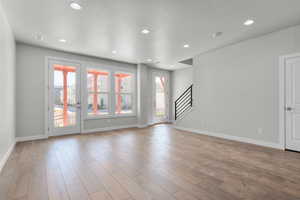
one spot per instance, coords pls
(7, 86)
(236, 87)
(181, 80)
(30, 90)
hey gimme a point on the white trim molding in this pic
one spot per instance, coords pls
(6, 156)
(234, 138)
(281, 99)
(143, 125)
(281, 96)
(31, 138)
(41, 137)
(109, 128)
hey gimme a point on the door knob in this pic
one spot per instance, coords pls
(288, 108)
(78, 105)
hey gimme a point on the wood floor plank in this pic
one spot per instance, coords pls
(103, 195)
(56, 187)
(75, 187)
(113, 187)
(156, 191)
(21, 186)
(154, 163)
(135, 190)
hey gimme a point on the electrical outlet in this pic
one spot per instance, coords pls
(260, 131)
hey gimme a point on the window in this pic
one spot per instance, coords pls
(123, 93)
(98, 92)
(109, 93)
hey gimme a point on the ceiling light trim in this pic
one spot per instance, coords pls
(249, 22)
(75, 5)
(62, 40)
(145, 31)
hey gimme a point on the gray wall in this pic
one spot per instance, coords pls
(143, 94)
(236, 87)
(30, 103)
(181, 80)
(7, 85)
(30, 90)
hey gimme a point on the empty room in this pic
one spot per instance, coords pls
(149, 100)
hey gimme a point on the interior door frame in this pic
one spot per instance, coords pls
(282, 100)
(48, 59)
(160, 73)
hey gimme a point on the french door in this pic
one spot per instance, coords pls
(160, 97)
(64, 109)
(292, 100)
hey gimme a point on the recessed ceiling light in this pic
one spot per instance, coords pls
(63, 40)
(186, 46)
(145, 31)
(172, 66)
(249, 22)
(149, 60)
(216, 34)
(114, 52)
(75, 5)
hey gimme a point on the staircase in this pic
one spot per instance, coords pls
(184, 102)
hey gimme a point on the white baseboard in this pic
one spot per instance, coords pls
(31, 138)
(159, 122)
(152, 123)
(235, 138)
(6, 156)
(109, 128)
(39, 137)
(143, 126)
(173, 121)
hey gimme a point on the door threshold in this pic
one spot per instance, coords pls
(66, 135)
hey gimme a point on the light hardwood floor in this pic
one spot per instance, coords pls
(159, 163)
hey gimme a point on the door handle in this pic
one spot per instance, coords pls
(78, 105)
(288, 108)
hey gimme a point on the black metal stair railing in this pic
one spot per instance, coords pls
(184, 102)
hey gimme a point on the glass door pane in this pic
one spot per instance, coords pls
(160, 96)
(64, 93)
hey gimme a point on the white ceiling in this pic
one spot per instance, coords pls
(106, 25)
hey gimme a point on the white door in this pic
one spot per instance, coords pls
(160, 97)
(292, 99)
(64, 97)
